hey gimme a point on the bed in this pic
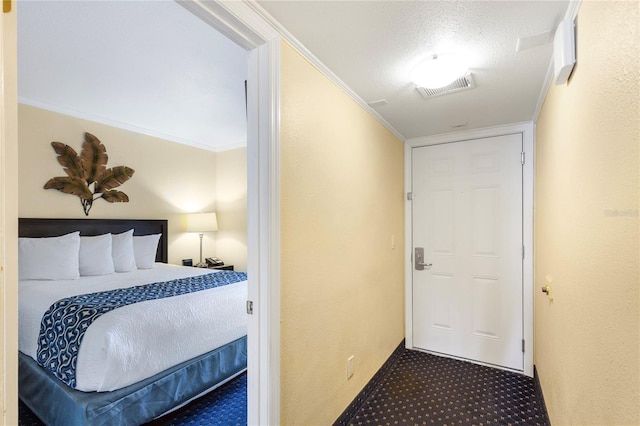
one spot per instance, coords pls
(113, 370)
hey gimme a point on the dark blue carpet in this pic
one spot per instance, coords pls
(424, 389)
(225, 406)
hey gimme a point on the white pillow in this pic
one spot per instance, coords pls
(95, 255)
(122, 251)
(51, 258)
(144, 249)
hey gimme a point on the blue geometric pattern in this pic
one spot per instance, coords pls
(65, 323)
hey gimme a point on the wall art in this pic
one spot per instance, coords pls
(87, 174)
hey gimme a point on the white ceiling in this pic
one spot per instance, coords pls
(372, 46)
(153, 67)
(147, 66)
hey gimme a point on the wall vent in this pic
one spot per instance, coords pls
(463, 83)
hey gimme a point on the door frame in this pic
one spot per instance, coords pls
(246, 27)
(527, 131)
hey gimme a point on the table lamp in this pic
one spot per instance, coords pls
(201, 223)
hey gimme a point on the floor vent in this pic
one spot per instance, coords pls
(463, 83)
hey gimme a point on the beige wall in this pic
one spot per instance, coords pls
(170, 179)
(587, 227)
(8, 220)
(342, 286)
(231, 207)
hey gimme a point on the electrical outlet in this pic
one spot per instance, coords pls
(349, 367)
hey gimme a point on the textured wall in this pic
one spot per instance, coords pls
(342, 284)
(170, 179)
(587, 226)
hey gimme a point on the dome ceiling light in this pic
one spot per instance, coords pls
(438, 71)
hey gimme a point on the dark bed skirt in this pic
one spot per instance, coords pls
(57, 404)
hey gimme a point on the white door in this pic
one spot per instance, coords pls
(467, 216)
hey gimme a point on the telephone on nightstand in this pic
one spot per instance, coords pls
(214, 261)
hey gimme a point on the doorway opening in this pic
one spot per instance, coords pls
(262, 247)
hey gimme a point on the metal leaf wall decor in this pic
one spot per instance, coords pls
(87, 174)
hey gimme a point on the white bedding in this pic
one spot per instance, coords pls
(137, 341)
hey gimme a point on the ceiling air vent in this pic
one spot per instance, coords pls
(463, 83)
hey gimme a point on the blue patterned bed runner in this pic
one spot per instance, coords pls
(64, 324)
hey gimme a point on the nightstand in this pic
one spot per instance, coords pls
(223, 267)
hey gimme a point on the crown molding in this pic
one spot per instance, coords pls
(306, 53)
(485, 132)
(127, 126)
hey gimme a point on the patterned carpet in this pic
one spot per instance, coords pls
(424, 389)
(414, 388)
(226, 406)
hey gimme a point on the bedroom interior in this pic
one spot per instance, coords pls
(188, 337)
(199, 167)
(586, 339)
(172, 179)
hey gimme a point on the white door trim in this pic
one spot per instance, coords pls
(526, 129)
(240, 22)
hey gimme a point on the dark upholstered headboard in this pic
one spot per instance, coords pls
(90, 227)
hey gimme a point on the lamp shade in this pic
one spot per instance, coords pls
(202, 222)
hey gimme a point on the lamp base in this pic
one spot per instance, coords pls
(201, 264)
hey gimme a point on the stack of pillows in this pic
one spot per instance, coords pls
(71, 256)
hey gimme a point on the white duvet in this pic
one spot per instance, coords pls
(137, 341)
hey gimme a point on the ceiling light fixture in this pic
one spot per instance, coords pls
(438, 71)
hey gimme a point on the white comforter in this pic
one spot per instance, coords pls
(137, 341)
